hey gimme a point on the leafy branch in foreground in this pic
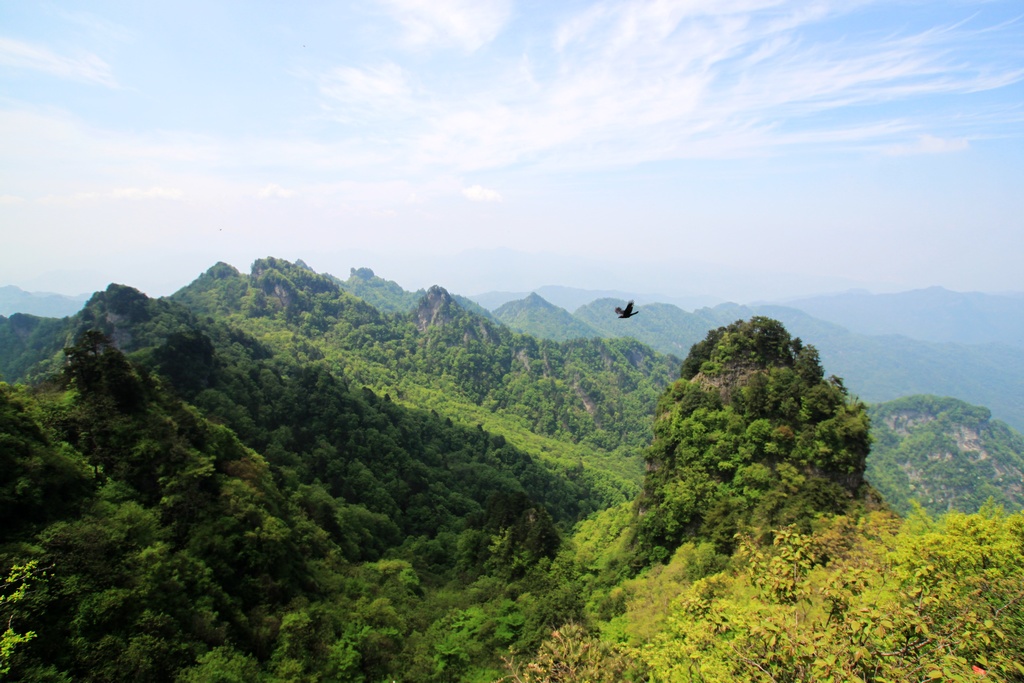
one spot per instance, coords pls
(872, 602)
(15, 588)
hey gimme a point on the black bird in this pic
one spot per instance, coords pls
(627, 311)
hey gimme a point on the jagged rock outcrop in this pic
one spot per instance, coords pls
(437, 308)
(946, 455)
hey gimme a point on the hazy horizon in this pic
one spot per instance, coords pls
(757, 149)
(689, 288)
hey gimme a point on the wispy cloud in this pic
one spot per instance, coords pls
(478, 193)
(467, 24)
(614, 85)
(85, 67)
(627, 82)
(363, 94)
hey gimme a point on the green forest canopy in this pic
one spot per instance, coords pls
(230, 500)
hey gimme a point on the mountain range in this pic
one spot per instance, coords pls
(267, 477)
(876, 367)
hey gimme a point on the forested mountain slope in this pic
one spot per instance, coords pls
(384, 295)
(591, 392)
(751, 438)
(945, 454)
(396, 543)
(533, 315)
(388, 295)
(158, 547)
(583, 404)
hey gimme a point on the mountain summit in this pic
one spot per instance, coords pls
(752, 438)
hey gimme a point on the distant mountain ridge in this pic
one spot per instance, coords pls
(45, 304)
(876, 368)
(933, 314)
(572, 298)
(535, 315)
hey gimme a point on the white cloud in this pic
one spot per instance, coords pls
(384, 83)
(928, 144)
(368, 95)
(85, 67)
(619, 84)
(469, 24)
(275, 190)
(8, 199)
(478, 193)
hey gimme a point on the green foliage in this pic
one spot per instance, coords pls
(384, 295)
(182, 553)
(754, 439)
(856, 603)
(39, 480)
(570, 655)
(25, 340)
(945, 454)
(266, 478)
(12, 591)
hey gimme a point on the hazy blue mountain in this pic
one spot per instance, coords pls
(533, 315)
(572, 298)
(945, 454)
(883, 368)
(934, 314)
(46, 304)
(492, 300)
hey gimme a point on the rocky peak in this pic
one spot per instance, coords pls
(436, 308)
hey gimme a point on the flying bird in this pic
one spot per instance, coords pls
(627, 311)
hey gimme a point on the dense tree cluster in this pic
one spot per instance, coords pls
(751, 438)
(173, 550)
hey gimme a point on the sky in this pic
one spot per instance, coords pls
(734, 149)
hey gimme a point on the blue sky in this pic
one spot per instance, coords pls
(740, 149)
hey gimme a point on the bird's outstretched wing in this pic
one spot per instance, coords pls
(625, 312)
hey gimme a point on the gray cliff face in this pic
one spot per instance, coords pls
(437, 308)
(946, 455)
